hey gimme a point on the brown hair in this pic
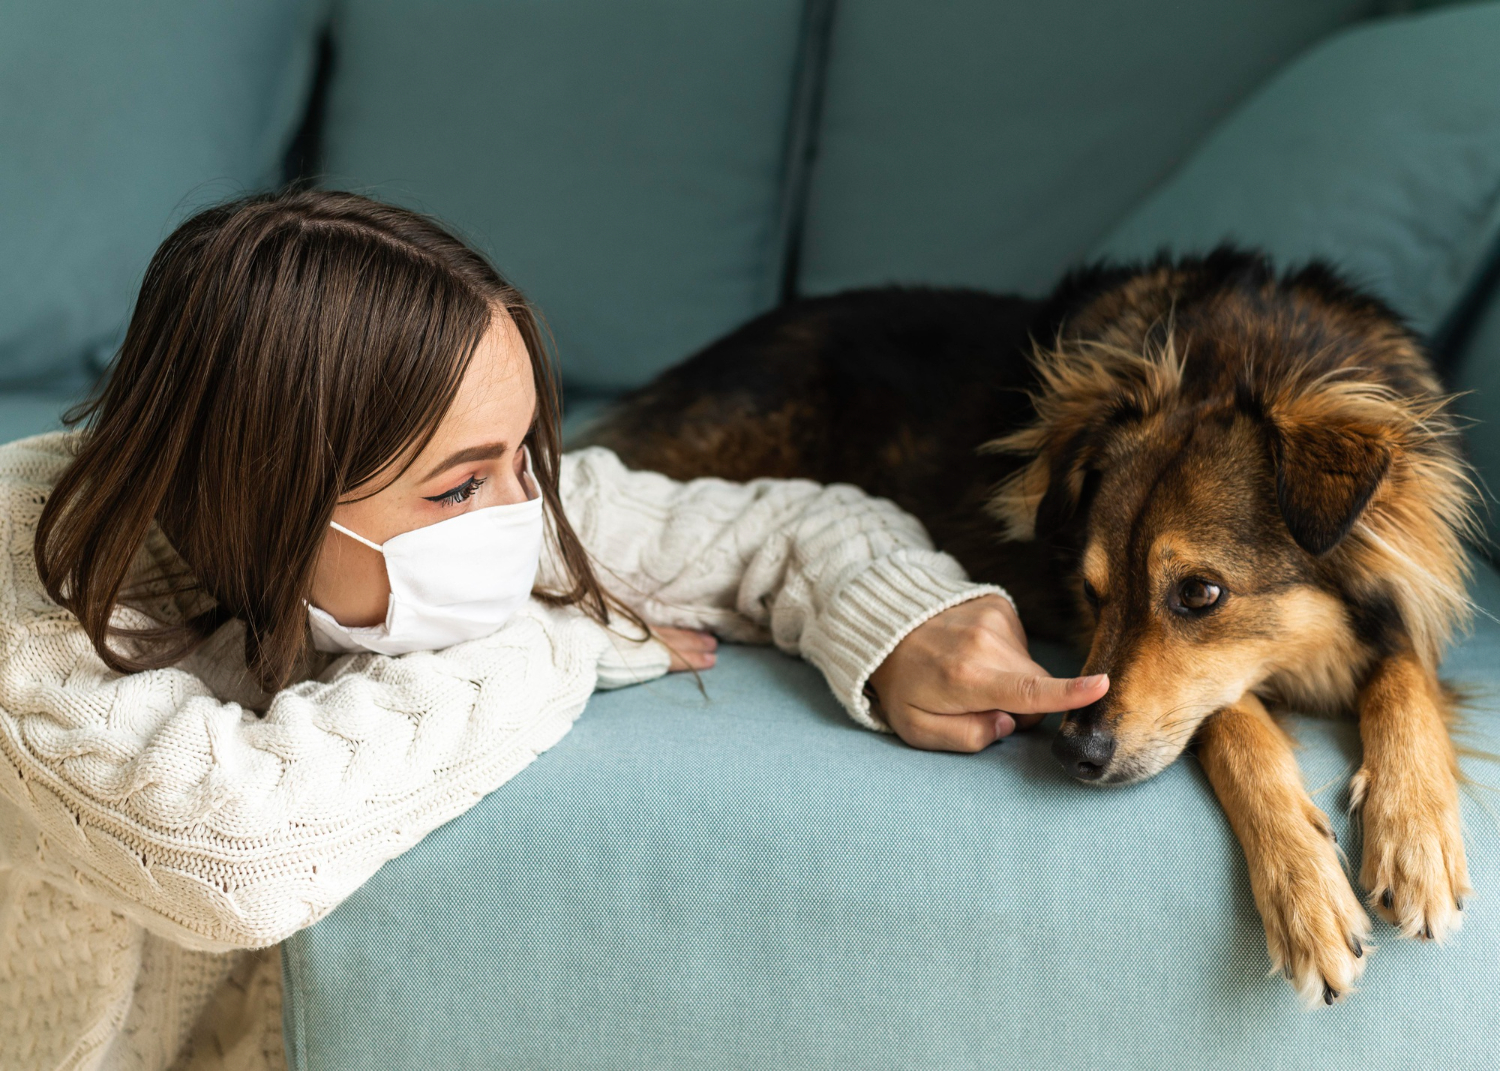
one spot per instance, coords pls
(285, 350)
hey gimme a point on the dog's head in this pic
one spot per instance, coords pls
(1253, 487)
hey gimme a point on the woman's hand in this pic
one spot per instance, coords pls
(963, 679)
(690, 648)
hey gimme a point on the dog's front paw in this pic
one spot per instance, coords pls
(1414, 866)
(1317, 931)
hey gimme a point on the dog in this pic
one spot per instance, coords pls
(1242, 491)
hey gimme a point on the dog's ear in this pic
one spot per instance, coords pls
(1068, 497)
(1326, 474)
(1057, 507)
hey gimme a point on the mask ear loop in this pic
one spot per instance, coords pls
(337, 527)
(534, 489)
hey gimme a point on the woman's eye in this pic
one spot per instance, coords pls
(1195, 596)
(1090, 594)
(460, 494)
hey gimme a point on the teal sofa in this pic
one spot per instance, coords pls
(740, 877)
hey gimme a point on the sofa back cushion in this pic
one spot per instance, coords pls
(989, 144)
(1378, 150)
(620, 160)
(117, 119)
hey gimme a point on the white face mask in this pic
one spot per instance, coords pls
(451, 581)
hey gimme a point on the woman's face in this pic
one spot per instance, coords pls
(473, 461)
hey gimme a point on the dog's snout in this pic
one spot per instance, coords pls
(1084, 747)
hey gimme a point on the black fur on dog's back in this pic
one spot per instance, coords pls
(889, 389)
(896, 390)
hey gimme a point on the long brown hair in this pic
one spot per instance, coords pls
(285, 350)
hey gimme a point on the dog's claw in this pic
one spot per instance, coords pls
(1458, 902)
(1329, 994)
(1387, 900)
(1427, 930)
(1355, 947)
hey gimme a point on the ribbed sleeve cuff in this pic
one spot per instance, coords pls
(628, 661)
(875, 611)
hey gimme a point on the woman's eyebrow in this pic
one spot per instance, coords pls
(485, 452)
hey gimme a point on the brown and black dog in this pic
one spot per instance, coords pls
(1241, 489)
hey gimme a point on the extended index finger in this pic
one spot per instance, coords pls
(1037, 692)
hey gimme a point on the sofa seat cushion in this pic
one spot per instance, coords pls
(749, 880)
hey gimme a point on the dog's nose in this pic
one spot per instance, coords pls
(1084, 752)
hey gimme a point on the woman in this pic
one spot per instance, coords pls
(331, 429)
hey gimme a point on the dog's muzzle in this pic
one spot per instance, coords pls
(1084, 745)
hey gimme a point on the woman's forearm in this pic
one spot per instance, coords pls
(826, 572)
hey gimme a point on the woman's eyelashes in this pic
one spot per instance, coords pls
(460, 494)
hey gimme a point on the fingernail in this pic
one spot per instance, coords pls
(1004, 725)
(1088, 684)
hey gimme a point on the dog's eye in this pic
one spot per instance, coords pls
(1090, 594)
(1194, 596)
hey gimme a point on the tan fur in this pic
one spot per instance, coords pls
(1170, 686)
(1319, 670)
(1406, 794)
(1317, 933)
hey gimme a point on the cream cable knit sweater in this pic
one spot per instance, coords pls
(155, 825)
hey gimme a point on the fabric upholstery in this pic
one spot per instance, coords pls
(24, 413)
(1378, 150)
(621, 160)
(990, 144)
(1475, 376)
(117, 120)
(745, 879)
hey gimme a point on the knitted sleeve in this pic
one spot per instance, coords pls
(828, 573)
(221, 826)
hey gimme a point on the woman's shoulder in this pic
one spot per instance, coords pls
(582, 470)
(596, 486)
(29, 469)
(37, 461)
(596, 468)
(587, 457)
